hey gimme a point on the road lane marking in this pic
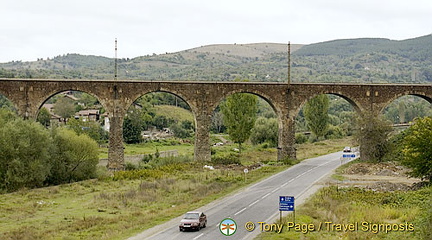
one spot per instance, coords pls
(250, 205)
(237, 213)
(202, 234)
(265, 196)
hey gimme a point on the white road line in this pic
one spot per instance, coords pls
(265, 196)
(202, 234)
(237, 213)
(250, 205)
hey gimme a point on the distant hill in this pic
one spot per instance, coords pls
(367, 60)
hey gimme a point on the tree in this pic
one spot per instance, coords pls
(265, 130)
(90, 128)
(316, 114)
(132, 128)
(64, 107)
(75, 159)
(5, 103)
(217, 122)
(417, 151)
(44, 117)
(372, 134)
(25, 153)
(239, 112)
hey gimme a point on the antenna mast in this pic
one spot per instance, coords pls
(289, 63)
(115, 61)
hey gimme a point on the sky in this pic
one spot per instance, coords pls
(32, 29)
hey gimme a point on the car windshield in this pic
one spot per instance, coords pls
(191, 215)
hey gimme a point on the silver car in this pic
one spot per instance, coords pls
(193, 221)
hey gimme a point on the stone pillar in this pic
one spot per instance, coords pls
(202, 136)
(286, 140)
(116, 151)
(117, 112)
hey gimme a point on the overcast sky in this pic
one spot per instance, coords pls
(32, 29)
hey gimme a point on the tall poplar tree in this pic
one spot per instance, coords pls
(240, 113)
(316, 114)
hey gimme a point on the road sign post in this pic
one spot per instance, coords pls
(245, 172)
(286, 203)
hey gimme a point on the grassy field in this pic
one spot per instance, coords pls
(126, 203)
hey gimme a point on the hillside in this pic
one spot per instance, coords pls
(177, 113)
(366, 60)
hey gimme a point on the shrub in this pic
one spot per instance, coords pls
(300, 138)
(25, 153)
(75, 158)
(138, 174)
(231, 158)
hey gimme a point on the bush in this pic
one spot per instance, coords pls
(334, 132)
(265, 130)
(138, 174)
(25, 153)
(232, 158)
(75, 157)
(417, 149)
(300, 138)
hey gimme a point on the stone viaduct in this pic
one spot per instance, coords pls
(28, 95)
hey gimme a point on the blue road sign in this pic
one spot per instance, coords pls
(348, 155)
(286, 203)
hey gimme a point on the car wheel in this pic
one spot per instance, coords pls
(205, 223)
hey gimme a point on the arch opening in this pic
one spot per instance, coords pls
(404, 109)
(325, 116)
(80, 111)
(158, 123)
(261, 133)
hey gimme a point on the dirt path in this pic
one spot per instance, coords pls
(388, 176)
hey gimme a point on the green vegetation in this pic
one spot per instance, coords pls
(418, 150)
(316, 115)
(32, 156)
(239, 115)
(372, 134)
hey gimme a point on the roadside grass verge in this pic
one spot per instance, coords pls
(407, 214)
(127, 202)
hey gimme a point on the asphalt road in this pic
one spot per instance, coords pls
(257, 203)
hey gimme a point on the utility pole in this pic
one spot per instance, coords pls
(115, 61)
(289, 63)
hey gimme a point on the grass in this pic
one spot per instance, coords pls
(151, 147)
(174, 112)
(109, 209)
(123, 205)
(408, 213)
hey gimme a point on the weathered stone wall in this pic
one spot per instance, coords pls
(28, 95)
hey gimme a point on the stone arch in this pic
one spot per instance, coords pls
(356, 106)
(406, 93)
(42, 99)
(180, 95)
(272, 102)
(277, 107)
(175, 93)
